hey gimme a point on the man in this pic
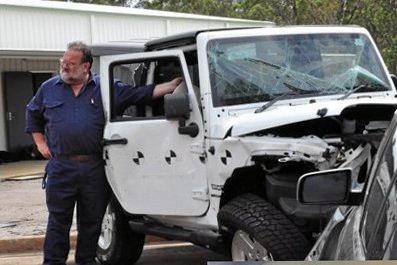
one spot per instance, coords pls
(66, 121)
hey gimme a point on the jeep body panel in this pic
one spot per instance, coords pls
(275, 116)
(163, 158)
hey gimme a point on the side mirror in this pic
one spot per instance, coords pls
(328, 187)
(176, 106)
(394, 78)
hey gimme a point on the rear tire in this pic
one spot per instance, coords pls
(118, 244)
(255, 230)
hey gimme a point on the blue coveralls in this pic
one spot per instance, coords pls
(74, 125)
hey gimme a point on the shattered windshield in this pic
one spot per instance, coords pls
(257, 69)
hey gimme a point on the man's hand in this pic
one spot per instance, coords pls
(41, 144)
(44, 150)
(166, 88)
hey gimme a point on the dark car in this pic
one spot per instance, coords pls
(364, 226)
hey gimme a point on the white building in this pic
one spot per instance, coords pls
(33, 35)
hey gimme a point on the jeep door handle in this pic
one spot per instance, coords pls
(106, 142)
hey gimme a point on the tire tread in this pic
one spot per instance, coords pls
(268, 225)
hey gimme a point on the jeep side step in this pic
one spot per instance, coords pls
(206, 239)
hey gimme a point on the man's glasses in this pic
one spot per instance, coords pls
(67, 64)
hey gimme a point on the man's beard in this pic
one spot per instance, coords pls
(71, 79)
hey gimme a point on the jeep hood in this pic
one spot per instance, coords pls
(286, 114)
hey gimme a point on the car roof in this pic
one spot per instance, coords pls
(183, 39)
(189, 38)
(114, 48)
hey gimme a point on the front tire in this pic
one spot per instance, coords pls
(118, 244)
(255, 230)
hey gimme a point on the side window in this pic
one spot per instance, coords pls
(380, 212)
(129, 81)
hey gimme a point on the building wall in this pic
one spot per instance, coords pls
(8, 64)
(36, 29)
(49, 25)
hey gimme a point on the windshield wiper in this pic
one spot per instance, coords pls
(360, 87)
(274, 100)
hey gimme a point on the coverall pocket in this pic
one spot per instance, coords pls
(53, 111)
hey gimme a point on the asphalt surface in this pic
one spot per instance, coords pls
(27, 168)
(162, 254)
(23, 210)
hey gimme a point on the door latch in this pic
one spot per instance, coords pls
(106, 142)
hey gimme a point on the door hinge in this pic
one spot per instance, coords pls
(201, 194)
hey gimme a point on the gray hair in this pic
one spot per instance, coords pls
(83, 48)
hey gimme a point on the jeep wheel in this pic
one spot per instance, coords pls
(117, 244)
(255, 230)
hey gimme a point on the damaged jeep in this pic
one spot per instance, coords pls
(217, 162)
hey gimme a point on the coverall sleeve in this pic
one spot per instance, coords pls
(126, 95)
(34, 114)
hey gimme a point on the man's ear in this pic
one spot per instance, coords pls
(87, 66)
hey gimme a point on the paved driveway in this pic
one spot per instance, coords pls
(22, 168)
(180, 254)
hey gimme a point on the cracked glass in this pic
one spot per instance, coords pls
(258, 69)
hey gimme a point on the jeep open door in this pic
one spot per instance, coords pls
(152, 168)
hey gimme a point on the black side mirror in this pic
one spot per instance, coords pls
(328, 187)
(176, 106)
(394, 78)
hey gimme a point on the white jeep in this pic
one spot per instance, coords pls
(217, 162)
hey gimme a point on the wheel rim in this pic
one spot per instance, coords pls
(244, 247)
(105, 237)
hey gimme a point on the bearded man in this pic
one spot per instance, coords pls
(66, 121)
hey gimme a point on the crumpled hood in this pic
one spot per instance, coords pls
(286, 114)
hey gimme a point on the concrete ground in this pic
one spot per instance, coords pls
(22, 169)
(23, 210)
(155, 254)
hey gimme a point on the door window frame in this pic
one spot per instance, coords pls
(113, 117)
